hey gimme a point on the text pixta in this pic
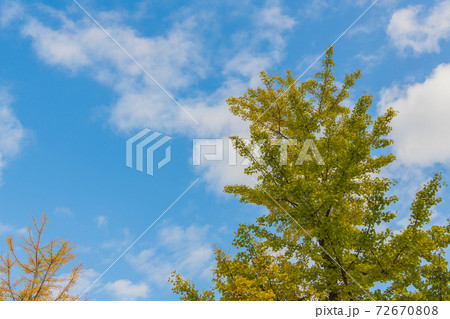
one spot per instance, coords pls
(336, 311)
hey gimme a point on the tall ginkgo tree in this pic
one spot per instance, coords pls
(326, 234)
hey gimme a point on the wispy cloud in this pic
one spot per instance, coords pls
(5, 229)
(83, 282)
(12, 133)
(101, 220)
(185, 249)
(63, 211)
(9, 12)
(178, 59)
(413, 28)
(124, 289)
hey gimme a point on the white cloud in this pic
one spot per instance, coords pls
(12, 133)
(10, 11)
(5, 229)
(421, 33)
(227, 171)
(177, 59)
(63, 211)
(22, 231)
(220, 174)
(101, 220)
(85, 280)
(315, 8)
(248, 65)
(117, 244)
(273, 17)
(185, 249)
(9, 230)
(421, 128)
(124, 289)
(173, 59)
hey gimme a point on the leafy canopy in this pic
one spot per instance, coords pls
(323, 236)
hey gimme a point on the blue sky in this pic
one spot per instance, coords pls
(70, 97)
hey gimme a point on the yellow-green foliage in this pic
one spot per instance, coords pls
(322, 238)
(35, 272)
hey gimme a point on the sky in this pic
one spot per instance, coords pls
(78, 79)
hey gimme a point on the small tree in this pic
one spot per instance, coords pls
(34, 273)
(326, 235)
